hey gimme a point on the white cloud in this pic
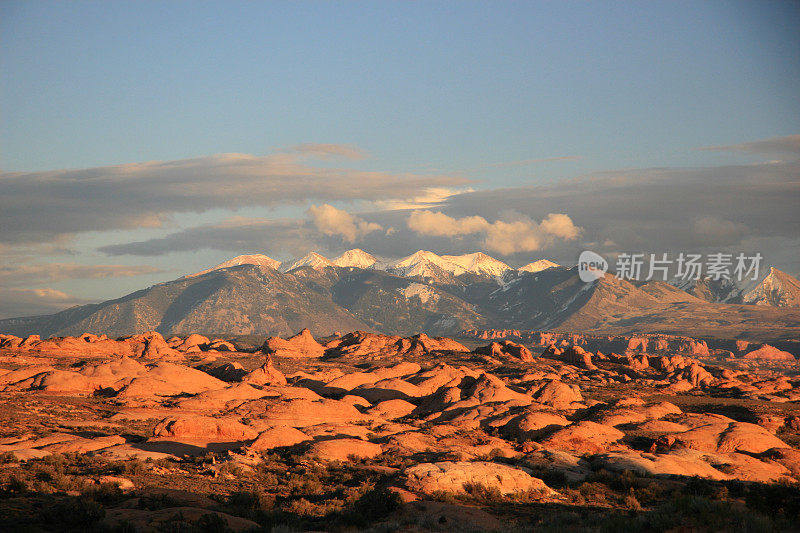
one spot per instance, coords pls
(560, 225)
(336, 222)
(505, 237)
(440, 225)
(431, 197)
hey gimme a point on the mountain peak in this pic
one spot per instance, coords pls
(312, 259)
(355, 258)
(777, 289)
(425, 264)
(538, 266)
(478, 263)
(252, 259)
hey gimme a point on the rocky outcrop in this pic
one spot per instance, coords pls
(584, 436)
(506, 350)
(278, 437)
(725, 437)
(301, 345)
(204, 428)
(557, 394)
(769, 353)
(360, 344)
(301, 413)
(343, 449)
(453, 477)
(266, 374)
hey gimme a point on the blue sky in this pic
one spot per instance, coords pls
(458, 89)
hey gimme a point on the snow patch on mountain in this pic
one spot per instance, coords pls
(423, 292)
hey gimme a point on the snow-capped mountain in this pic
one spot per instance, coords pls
(777, 289)
(478, 263)
(247, 299)
(254, 259)
(312, 259)
(422, 264)
(773, 288)
(425, 265)
(538, 266)
(356, 257)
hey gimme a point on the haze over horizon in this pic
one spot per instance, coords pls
(142, 141)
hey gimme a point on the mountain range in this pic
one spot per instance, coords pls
(425, 292)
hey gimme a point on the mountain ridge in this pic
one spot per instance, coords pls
(252, 299)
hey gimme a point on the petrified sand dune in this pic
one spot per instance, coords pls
(426, 413)
(452, 477)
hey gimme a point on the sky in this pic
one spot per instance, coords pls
(140, 141)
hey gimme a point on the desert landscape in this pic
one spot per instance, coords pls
(386, 266)
(503, 431)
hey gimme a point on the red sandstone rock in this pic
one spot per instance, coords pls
(301, 345)
(204, 428)
(769, 353)
(505, 349)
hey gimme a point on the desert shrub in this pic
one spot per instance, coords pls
(131, 467)
(779, 499)
(105, 493)
(631, 502)
(164, 462)
(443, 496)
(16, 484)
(155, 502)
(700, 487)
(650, 494)
(373, 506)
(124, 526)
(552, 477)
(305, 484)
(265, 478)
(252, 500)
(573, 496)
(212, 523)
(305, 508)
(597, 494)
(623, 482)
(482, 493)
(7, 457)
(73, 513)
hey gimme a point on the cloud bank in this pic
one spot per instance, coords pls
(15, 276)
(788, 145)
(17, 302)
(43, 206)
(745, 207)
